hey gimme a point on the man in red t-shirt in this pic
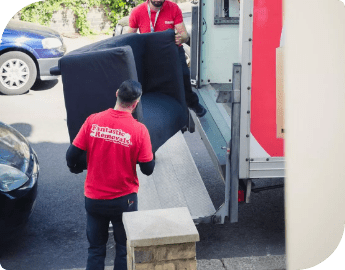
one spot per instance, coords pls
(114, 143)
(161, 15)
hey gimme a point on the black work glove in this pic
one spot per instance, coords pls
(76, 170)
(76, 159)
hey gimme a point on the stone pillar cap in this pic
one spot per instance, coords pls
(159, 227)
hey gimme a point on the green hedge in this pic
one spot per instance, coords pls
(42, 12)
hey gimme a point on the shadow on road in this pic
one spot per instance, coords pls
(23, 128)
(260, 230)
(40, 85)
(55, 236)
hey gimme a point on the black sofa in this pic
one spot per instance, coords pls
(92, 74)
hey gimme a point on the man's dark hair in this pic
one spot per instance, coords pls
(129, 91)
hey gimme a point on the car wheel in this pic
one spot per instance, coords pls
(187, 53)
(17, 73)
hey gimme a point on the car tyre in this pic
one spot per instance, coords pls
(18, 73)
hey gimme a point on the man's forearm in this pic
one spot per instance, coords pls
(73, 156)
(132, 30)
(147, 167)
(181, 35)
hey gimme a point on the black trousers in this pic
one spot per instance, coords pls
(192, 99)
(99, 214)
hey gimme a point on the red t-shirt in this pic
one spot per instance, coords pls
(114, 142)
(170, 14)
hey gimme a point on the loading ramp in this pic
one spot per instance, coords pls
(175, 182)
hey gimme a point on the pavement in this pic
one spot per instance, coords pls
(74, 42)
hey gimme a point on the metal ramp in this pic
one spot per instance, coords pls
(175, 182)
(215, 127)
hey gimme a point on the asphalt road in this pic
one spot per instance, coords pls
(55, 236)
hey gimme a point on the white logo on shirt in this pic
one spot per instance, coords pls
(111, 135)
(169, 22)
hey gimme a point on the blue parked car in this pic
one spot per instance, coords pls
(27, 52)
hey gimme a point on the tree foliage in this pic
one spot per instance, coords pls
(42, 12)
(120, 8)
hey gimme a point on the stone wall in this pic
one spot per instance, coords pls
(63, 21)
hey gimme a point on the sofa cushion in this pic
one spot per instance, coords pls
(163, 116)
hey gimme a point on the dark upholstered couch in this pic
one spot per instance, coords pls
(92, 74)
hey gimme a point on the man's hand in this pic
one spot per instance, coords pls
(76, 159)
(75, 170)
(181, 35)
(178, 38)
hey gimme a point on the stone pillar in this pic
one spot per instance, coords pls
(161, 239)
